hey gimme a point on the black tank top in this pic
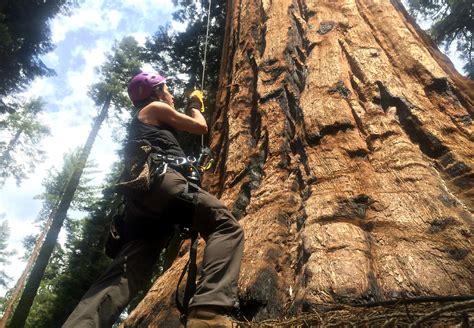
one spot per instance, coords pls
(163, 137)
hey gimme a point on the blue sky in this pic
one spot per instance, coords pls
(82, 41)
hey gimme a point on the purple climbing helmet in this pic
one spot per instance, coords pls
(141, 86)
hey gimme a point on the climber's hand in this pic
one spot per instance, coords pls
(196, 100)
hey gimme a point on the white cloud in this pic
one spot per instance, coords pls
(13, 203)
(140, 37)
(78, 80)
(41, 88)
(148, 68)
(91, 16)
(113, 19)
(97, 17)
(51, 59)
(145, 6)
(178, 26)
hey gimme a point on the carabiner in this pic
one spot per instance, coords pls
(180, 161)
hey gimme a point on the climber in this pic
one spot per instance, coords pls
(151, 213)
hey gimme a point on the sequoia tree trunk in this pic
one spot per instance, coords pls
(344, 146)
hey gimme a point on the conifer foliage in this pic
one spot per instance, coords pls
(105, 96)
(181, 55)
(55, 185)
(25, 35)
(453, 21)
(5, 253)
(83, 261)
(19, 143)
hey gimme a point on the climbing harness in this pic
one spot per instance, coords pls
(114, 241)
(190, 167)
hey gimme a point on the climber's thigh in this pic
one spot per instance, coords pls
(160, 198)
(211, 214)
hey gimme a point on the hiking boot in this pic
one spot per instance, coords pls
(208, 317)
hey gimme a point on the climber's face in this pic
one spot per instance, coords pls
(163, 94)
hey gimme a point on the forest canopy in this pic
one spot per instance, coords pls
(452, 22)
(25, 36)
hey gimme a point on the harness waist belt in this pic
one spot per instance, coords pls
(173, 160)
(185, 165)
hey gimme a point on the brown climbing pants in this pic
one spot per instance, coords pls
(170, 197)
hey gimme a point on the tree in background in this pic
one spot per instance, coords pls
(73, 266)
(344, 148)
(180, 55)
(124, 61)
(20, 148)
(25, 35)
(117, 69)
(56, 181)
(43, 301)
(55, 184)
(453, 21)
(83, 261)
(5, 253)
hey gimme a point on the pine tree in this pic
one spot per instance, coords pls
(24, 36)
(54, 184)
(5, 253)
(57, 218)
(23, 131)
(83, 261)
(115, 74)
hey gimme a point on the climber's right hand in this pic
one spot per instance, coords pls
(196, 100)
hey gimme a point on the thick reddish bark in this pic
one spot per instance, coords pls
(344, 146)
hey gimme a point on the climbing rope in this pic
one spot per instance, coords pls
(205, 44)
(204, 61)
(190, 266)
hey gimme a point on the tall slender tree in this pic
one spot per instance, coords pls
(83, 261)
(57, 218)
(5, 253)
(115, 71)
(23, 131)
(344, 143)
(54, 184)
(77, 261)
